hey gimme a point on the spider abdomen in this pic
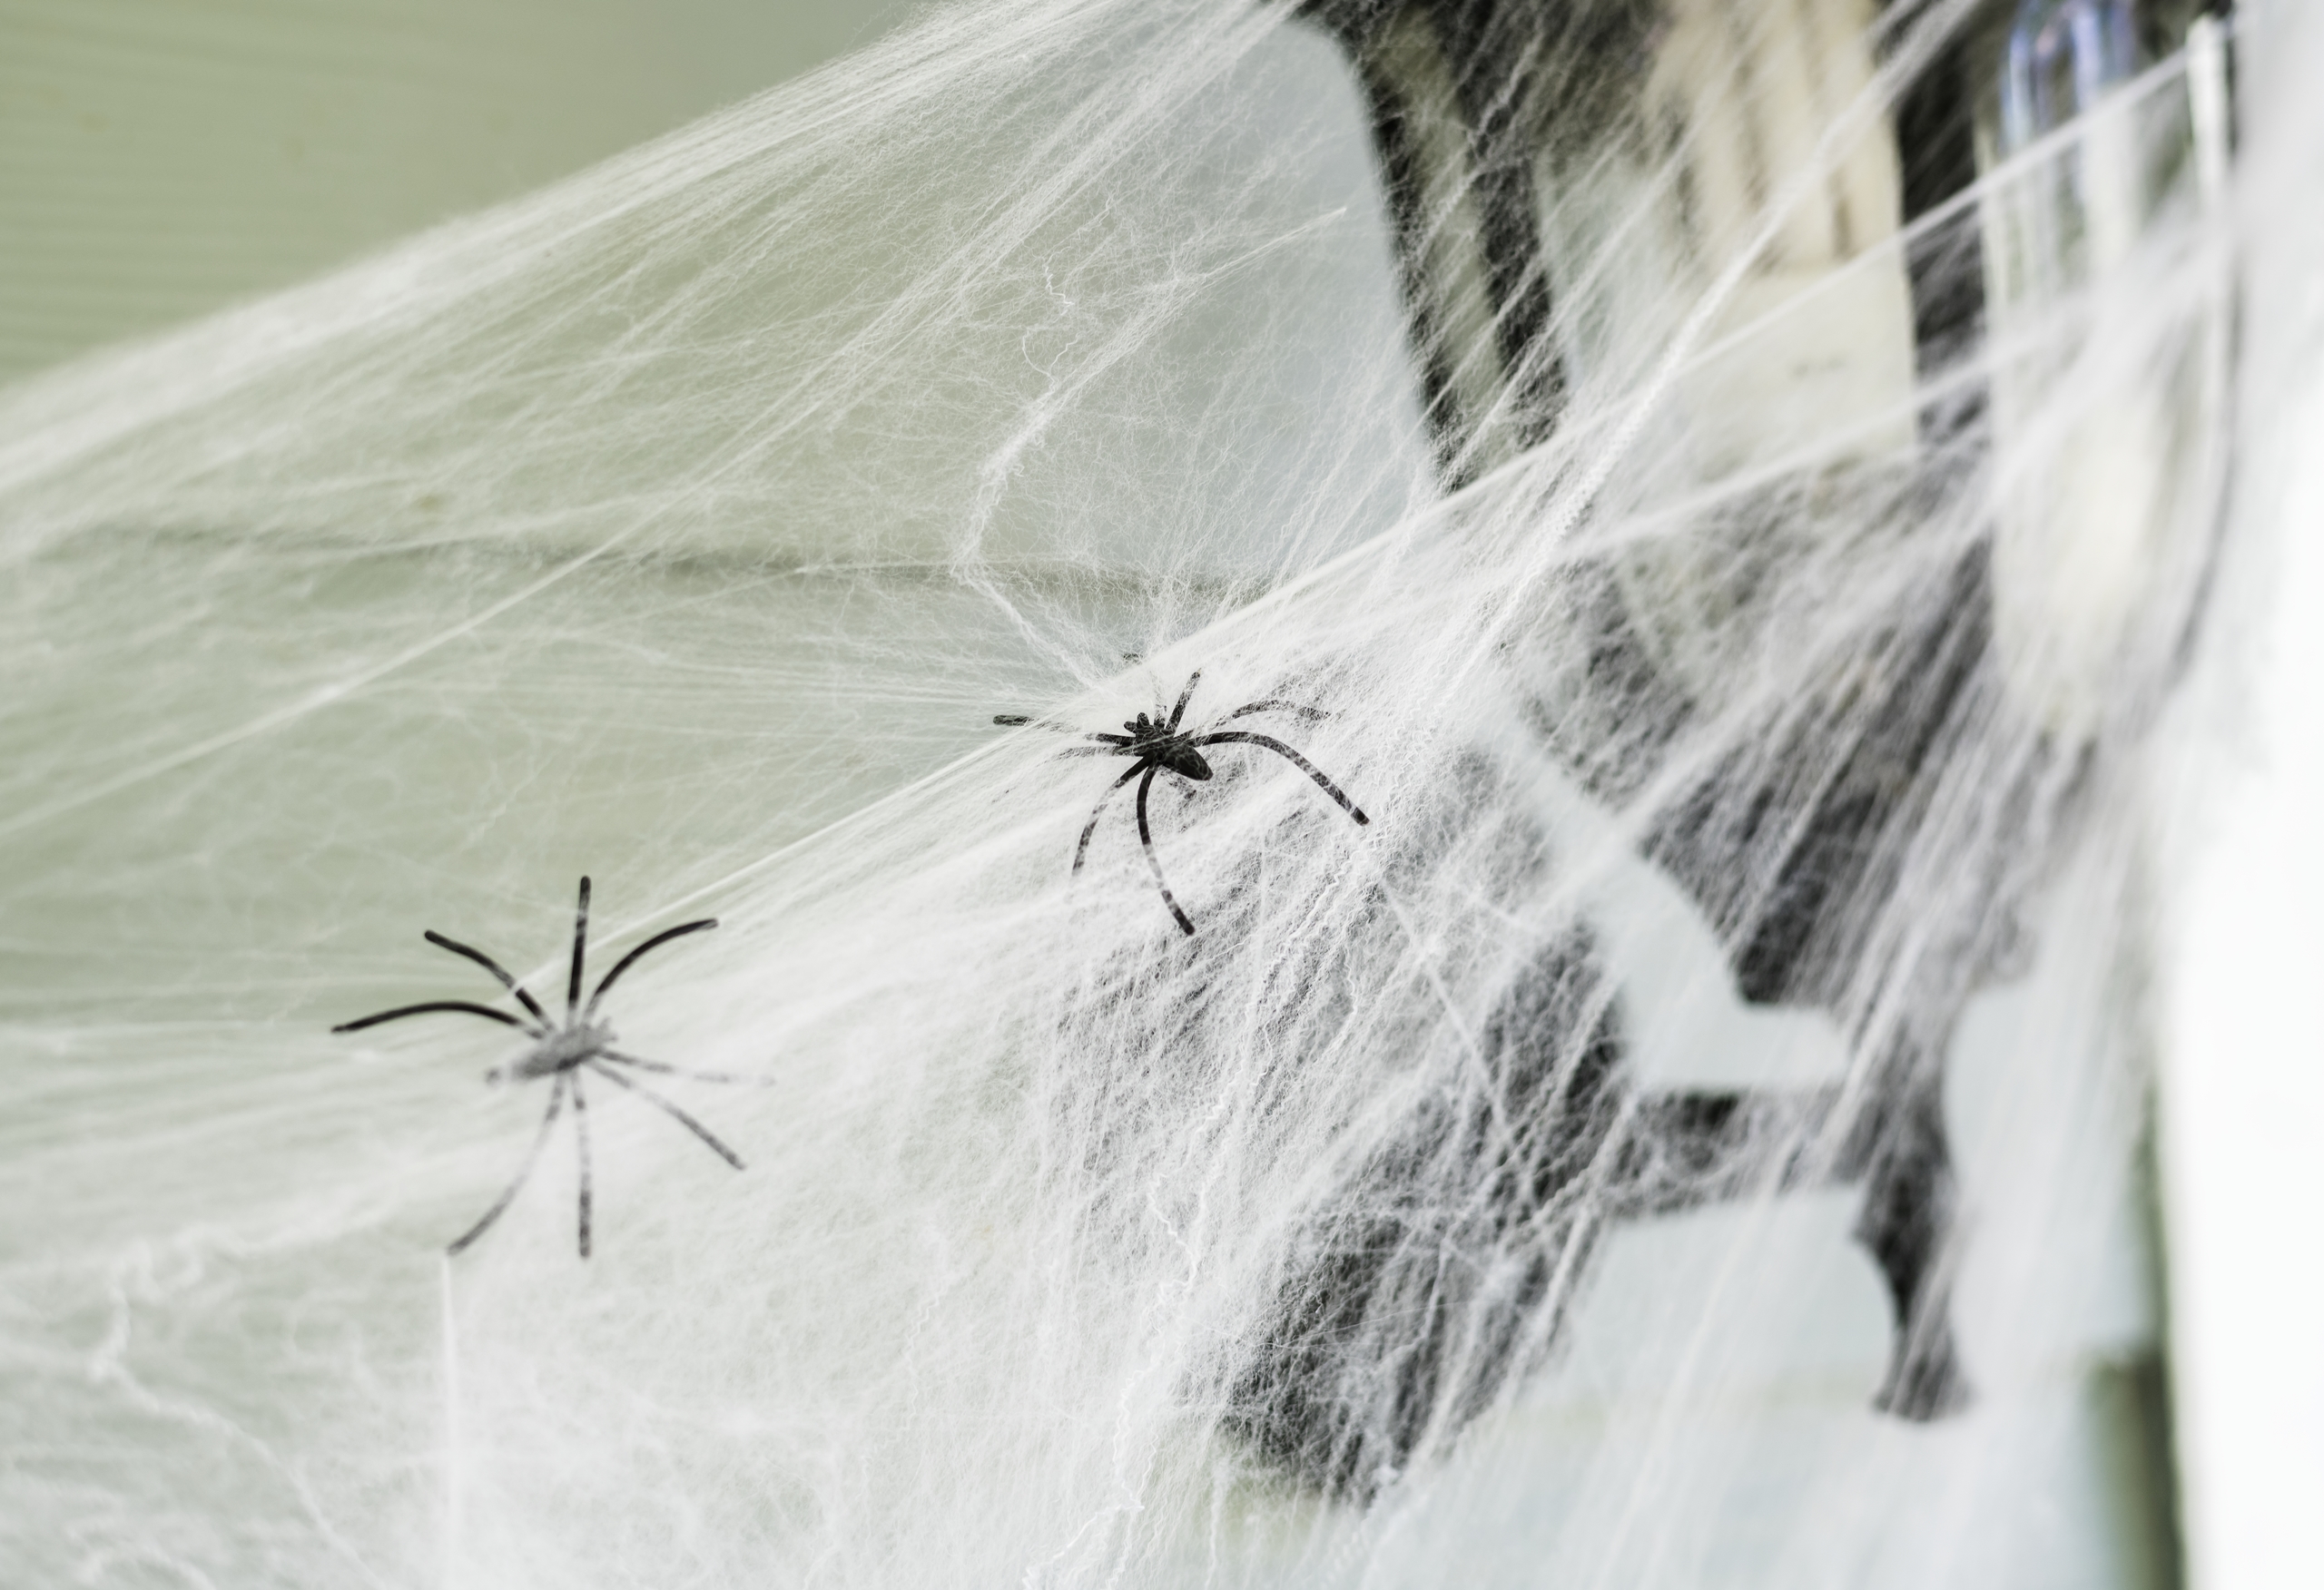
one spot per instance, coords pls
(1183, 759)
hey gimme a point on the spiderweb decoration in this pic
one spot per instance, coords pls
(1685, 1137)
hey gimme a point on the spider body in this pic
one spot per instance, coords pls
(564, 1049)
(1162, 744)
(1157, 745)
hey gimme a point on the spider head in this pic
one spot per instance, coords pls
(563, 1049)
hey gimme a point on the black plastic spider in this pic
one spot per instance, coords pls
(562, 1050)
(1157, 746)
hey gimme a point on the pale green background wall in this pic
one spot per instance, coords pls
(160, 157)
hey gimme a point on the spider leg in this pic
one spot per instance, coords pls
(633, 957)
(656, 1066)
(676, 1113)
(1312, 714)
(1146, 839)
(1107, 745)
(556, 1103)
(1179, 711)
(1081, 851)
(400, 1011)
(1020, 721)
(1242, 737)
(581, 1144)
(489, 965)
(580, 944)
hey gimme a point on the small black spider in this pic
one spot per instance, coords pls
(561, 1051)
(1158, 745)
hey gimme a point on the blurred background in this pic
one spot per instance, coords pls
(162, 158)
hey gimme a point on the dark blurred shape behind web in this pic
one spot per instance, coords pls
(1822, 827)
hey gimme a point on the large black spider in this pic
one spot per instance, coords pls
(563, 1049)
(1157, 745)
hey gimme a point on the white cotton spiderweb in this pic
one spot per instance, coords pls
(1476, 1195)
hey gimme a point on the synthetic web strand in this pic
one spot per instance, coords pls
(688, 528)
